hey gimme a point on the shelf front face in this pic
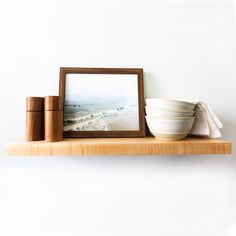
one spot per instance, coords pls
(119, 146)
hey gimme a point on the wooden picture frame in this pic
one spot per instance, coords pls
(67, 72)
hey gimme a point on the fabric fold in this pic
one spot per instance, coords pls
(206, 123)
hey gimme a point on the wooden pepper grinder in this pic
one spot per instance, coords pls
(53, 119)
(34, 118)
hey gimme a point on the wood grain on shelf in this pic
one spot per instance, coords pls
(119, 146)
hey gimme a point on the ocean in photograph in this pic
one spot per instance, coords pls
(101, 114)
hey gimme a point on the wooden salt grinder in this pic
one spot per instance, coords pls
(53, 119)
(34, 118)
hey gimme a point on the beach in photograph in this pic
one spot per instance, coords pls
(101, 114)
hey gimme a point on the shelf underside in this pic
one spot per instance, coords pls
(119, 146)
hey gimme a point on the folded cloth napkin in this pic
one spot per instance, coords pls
(206, 122)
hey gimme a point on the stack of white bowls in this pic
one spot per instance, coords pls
(169, 119)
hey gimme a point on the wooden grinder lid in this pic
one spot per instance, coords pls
(34, 103)
(53, 103)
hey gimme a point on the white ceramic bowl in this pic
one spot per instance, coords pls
(154, 111)
(170, 125)
(170, 104)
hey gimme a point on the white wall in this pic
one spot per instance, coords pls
(187, 49)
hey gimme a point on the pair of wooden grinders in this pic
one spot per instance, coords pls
(44, 118)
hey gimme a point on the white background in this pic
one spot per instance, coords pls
(187, 49)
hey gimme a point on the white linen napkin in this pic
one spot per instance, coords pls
(206, 122)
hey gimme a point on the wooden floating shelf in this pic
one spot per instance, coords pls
(119, 146)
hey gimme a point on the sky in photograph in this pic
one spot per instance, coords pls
(96, 85)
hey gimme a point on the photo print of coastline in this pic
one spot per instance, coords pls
(101, 102)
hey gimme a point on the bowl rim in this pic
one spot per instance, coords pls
(170, 111)
(170, 117)
(187, 102)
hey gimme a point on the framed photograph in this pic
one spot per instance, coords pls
(102, 102)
